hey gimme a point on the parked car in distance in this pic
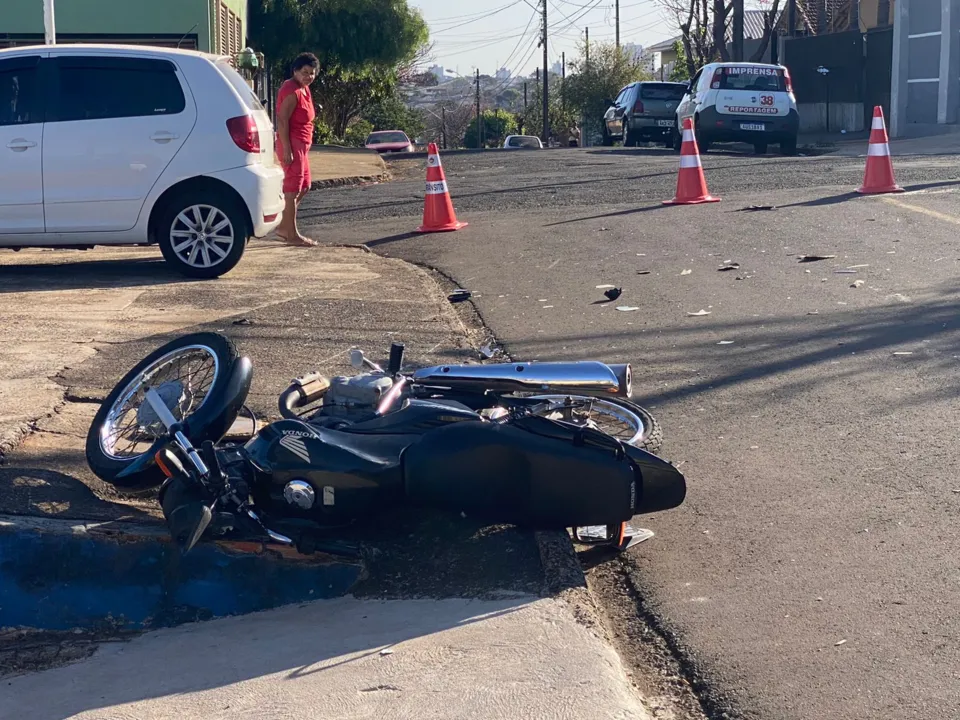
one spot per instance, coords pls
(118, 145)
(741, 102)
(384, 141)
(643, 111)
(523, 142)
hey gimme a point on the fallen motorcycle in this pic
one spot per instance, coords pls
(542, 445)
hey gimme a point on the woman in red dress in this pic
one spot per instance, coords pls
(295, 115)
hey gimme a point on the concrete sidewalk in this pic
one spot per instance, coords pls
(344, 659)
(335, 166)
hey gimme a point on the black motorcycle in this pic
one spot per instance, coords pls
(542, 445)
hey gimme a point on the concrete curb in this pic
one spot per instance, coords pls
(350, 180)
(67, 575)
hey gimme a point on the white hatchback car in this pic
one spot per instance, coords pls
(118, 145)
(741, 102)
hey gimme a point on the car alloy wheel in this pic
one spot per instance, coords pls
(202, 236)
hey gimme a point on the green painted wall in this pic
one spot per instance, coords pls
(107, 17)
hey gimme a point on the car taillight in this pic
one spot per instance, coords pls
(638, 106)
(245, 133)
(717, 75)
(787, 81)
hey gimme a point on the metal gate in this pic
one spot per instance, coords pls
(878, 72)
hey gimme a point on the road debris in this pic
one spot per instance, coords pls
(814, 258)
(243, 321)
(699, 313)
(729, 266)
(858, 283)
(626, 308)
(899, 297)
(387, 651)
(813, 312)
(845, 272)
(459, 295)
(686, 272)
(904, 352)
(604, 287)
(839, 642)
(613, 293)
(854, 267)
(755, 208)
(725, 342)
(488, 351)
(643, 272)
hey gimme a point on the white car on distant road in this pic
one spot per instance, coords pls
(131, 145)
(525, 142)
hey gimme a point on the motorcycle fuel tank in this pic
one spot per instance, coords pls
(324, 475)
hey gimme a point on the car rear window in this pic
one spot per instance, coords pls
(387, 137)
(524, 142)
(243, 89)
(662, 91)
(769, 79)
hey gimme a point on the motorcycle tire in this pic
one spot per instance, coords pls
(651, 438)
(208, 421)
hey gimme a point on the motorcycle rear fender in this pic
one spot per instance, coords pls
(216, 419)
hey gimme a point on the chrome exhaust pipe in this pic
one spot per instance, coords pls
(624, 375)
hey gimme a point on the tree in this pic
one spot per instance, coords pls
(391, 113)
(591, 85)
(497, 124)
(680, 72)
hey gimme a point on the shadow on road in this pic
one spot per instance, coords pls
(86, 274)
(618, 213)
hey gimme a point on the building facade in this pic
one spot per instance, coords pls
(925, 83)
(215, 26)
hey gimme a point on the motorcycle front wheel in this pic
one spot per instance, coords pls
(194, 376)
(619, 418)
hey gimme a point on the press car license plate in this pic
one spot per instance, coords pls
(753, 126)
(665, 123)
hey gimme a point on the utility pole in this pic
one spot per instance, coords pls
(587, 46)
(617, 20)
(524, 97)
(563, 79)
(443, 126)
(479, 142)
(546, 81)
(50, 26)
(791, 17)
(738, 30)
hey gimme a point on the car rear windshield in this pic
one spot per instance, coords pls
(750, 78)
(662, 91)
(387, 137)
(246, 93)
(524, 142)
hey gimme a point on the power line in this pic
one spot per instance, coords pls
(478, 19)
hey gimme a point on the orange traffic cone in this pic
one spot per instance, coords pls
(438, 215)
(691, 184)
(878, 176)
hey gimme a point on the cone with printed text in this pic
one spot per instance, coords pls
(691, 184)
(878, 175)
(438, 215)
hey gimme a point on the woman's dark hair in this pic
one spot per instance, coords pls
(305, 60)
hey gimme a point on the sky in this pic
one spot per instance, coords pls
(491, 34)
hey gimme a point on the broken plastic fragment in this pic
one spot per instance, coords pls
(814, 258)
(604, 287)
(626, 308)
(459, 295)
(686, 272)
(698, 313)
(729, 266)
(858, 283)
(725, 342)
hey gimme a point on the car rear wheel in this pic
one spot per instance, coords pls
(789, 146)
(676, 140)
(202, 233)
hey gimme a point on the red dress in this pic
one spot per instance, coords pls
(296, 175)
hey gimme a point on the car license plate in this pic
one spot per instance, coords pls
(753, 126)
(666, 123)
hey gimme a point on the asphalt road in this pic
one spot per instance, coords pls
(812, 572)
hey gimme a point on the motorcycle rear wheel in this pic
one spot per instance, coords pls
(192, 375)
(624, 420)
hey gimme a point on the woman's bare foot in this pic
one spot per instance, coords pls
(297, 241)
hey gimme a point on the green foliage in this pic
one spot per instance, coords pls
(591, 85)
(497, 124)
(356, 134)
(343, 95)
(322, 133)
(681, 71)
(391, 113)
(342, 33)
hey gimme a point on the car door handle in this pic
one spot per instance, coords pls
(20, 144)
(163, 137)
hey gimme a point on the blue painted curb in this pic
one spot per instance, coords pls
(66, 575)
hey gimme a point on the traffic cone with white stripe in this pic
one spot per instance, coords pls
(438, 215)
(691, 184)
(878, 176)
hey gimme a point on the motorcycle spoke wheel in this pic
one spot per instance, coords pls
(183, 379)
(608, 417)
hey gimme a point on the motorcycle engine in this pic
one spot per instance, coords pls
(360, 392)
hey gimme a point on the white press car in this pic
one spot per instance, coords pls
(116, 145)
(741, 102)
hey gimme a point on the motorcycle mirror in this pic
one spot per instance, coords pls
(356, 359)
